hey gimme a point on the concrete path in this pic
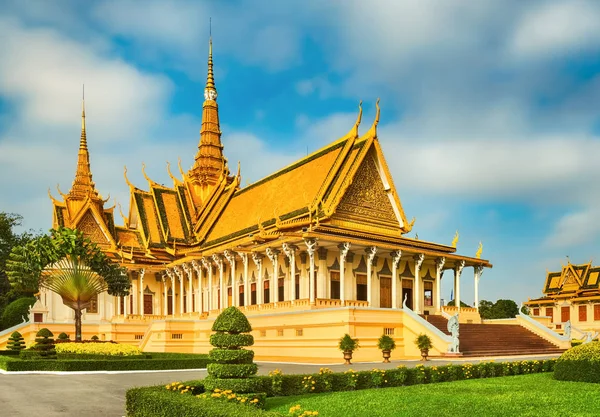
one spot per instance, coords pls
(103, 394)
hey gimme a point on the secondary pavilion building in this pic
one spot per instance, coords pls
(313, 251)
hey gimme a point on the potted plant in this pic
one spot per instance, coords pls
(386, 344)
(423, 342)
(348, 345)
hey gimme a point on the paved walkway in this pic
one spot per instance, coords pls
(103, 394)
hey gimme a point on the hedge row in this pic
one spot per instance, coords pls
(9, 353)
(159, 402)
(67, 365)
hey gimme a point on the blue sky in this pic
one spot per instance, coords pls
(489, 122)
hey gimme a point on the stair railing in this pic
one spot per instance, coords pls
(586, 336)
(566, 337)
(430, 327)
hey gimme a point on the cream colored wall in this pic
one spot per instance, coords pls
(588, 325)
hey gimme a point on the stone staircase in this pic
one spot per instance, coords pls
(496, 339)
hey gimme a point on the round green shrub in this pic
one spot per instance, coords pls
(580, 363)
(63, 336)
(44, 344)
(231, 356)
(231, 341)
(14, 312)
(16, 342)
(94, 337)
(232, 320)
(230, 370)
(237, 385)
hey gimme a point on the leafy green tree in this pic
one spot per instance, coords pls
(504, 309)
(462, 303)
(485, 309)
(501, 309)
(9, 238)
(70, 265)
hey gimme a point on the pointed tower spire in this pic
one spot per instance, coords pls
(209, 164)
(83, 185)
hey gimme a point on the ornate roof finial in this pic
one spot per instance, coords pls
(83, 140)
(210, 91)
(354, 131)
(127, 179)
(479, 250)
(372, 133)
(455, 240)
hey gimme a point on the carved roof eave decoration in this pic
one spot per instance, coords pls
(368, 234)
(388, 245)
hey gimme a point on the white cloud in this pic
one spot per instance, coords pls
(575, 228)
(555, 29)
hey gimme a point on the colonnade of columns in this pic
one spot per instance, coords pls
(204, 294)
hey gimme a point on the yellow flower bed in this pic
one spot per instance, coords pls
(111, 349)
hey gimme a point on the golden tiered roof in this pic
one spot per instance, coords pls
(576, 282)
(342, 192)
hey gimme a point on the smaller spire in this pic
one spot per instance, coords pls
(83, 140)
(210, 91)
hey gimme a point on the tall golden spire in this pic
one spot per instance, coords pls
(209, 162)
(83, 185)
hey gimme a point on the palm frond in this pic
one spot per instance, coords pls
(73, 280)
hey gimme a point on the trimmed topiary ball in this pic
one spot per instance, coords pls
(16, 342)
(233, 366)
(232, 321)
(63, 336)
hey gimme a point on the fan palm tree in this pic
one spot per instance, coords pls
(75, 282)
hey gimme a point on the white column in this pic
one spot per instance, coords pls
(208, 267)
(141, 272)
(165, 309)
(396, 255)
(190, 276)
(273, 255)
(179, 273)
(133, 295)
(311, 245)
(230, 256)
(344, 248)
(439, 265)
(119, 305)
(290, 252)
(371, 251)
(417, 296)
(257, 258)
(198, 268)
(171, 274)
(457, 271)
(477, 270)
(223, 298)
(244, 257)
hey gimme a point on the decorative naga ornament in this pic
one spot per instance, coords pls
(479, 250)
(455, 240)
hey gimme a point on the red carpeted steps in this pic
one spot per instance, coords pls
(496, 339)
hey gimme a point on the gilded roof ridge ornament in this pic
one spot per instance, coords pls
(239, 171)
(180, 168)
(150, 182)
(354, 132)
(127, 179)
(106, 200)
(175, 180)
(60, 192)
(125, 219)
(455, 240)
(372, 133)
(479, 250)
(410, 225)
(54, 200)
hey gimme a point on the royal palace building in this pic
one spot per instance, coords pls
(312, 251)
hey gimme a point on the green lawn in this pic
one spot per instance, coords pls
(523, 395)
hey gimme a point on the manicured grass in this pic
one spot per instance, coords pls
(523, 395)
